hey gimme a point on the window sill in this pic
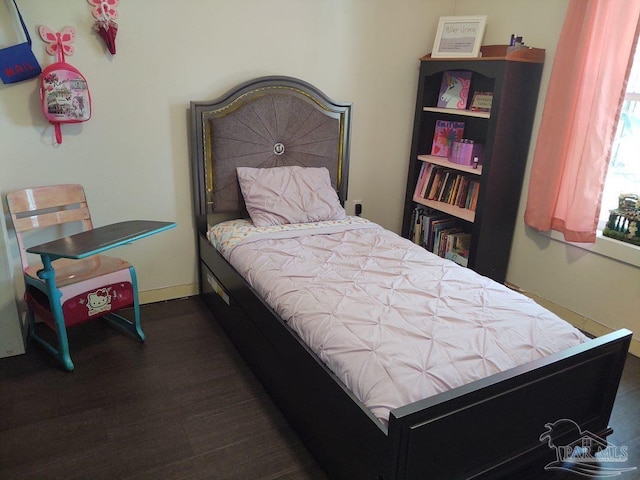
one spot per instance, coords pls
(606, 247)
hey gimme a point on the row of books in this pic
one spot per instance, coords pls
(443, 184)
(440, 234)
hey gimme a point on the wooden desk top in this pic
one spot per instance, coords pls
(92, 242)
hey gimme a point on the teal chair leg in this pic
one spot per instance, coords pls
(66, 361)
(62, 352)
(134, 327)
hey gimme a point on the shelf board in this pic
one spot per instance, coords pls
(458, 212)
(498, 52)
(442, 161)
(455, 111)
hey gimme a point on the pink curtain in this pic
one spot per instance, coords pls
(586, 88)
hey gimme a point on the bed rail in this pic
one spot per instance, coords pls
(501, 418)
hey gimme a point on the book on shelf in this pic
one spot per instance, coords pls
(461, 242)
(457, 258)
(421, 185)
(463, 190)
(442, 240)
(472, 196)
(417, 229)
(432, 219)
(421, 178)
(415, 224)
(467, 200)
(454, 89)
(445, 185)
(435, 183)
(421, 223)
(437, 227)
(453, 191)
(446, 132)
(456, 245)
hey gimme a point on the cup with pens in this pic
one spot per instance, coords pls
(515, 43)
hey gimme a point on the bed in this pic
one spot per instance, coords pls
(273, 132)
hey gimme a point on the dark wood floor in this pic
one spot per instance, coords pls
(181, 406)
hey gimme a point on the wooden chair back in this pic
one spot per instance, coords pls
(42, 207)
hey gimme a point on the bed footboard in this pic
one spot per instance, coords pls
(499, 420)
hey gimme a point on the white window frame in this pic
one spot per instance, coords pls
(606, 246)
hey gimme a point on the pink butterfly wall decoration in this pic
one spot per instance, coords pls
(58, 43)
(105, 13)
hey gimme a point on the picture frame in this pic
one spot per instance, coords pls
(459, 36)
(481, 102)
(454, 89)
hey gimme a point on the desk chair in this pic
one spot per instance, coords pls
(79, 290)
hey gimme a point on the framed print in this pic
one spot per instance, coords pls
(454, 90)
(459, 36)
(481, 102)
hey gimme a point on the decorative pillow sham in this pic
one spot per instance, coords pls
(281, 195)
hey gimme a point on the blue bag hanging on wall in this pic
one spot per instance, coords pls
(18, 63)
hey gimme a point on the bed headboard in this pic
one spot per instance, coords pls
(266, 122)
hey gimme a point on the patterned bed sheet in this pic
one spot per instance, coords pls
(394, 322)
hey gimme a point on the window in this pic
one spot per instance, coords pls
(623, 175)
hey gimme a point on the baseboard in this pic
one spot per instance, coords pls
(168, 293)
(582, 322)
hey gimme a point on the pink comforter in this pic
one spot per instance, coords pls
(396, 323)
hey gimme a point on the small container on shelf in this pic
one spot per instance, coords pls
(466, 152)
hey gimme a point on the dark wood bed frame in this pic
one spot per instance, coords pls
(487, 429)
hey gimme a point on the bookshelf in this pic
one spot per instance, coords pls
(484, 215)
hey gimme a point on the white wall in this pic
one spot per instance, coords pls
(132, 156)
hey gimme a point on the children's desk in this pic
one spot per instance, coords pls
(97, 240)
(79, 246)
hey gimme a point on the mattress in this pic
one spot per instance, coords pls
(393, 321)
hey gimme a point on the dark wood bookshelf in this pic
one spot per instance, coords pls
(504, 132)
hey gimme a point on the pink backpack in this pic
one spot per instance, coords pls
(63, 89)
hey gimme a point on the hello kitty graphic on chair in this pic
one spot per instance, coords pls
(455, 90)
(99, 301)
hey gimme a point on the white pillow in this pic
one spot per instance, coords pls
(280, 195)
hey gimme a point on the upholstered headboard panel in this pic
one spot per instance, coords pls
(266, 122)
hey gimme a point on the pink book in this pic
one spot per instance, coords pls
(446, 132)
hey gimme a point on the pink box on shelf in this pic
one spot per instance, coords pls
(464, 152)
